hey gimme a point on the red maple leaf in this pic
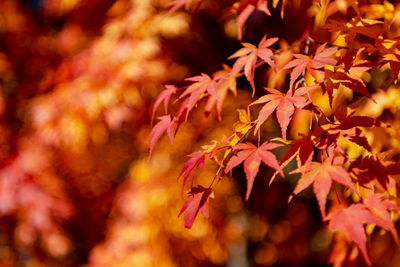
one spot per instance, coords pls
(303, 149)
(321, 176)
(373, 168)
(225, 80)
(252, 157)
(247, 57)
(198, 200)
(202, 84)
(241, 19)
(393, 59)
(333, 79)
(379, 208)
(323, 138)
(351, 29)
(390, 55)
(354, 64)
(284, 105)
(347, 126)
(348, 121)
(164, 125)
(164, 96)
(196, 159)
(352, 218)
(311, 64)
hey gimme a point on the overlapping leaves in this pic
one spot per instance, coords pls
(329, 68)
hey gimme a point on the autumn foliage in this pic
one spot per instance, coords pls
(199, 133)
(77, 81)
(332, 89)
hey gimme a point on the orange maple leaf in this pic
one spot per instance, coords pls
(311, 64)
(321, 176)
(284, 105)
(247, 57)
(252, 157)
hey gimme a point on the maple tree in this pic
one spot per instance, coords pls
(283, 118)
(328, 75)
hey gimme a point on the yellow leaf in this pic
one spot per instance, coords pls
(244, 124)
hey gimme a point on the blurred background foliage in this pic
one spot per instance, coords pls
(78, 79)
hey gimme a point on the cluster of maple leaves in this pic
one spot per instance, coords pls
(320, 65)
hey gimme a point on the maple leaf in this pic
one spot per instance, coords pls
(347, 126)
(197, 200)
(252, 157)
(225, 80)
(244, 124)
(348, 121)
(357, 136)
(284, 105)
(324, 9)
(321, 176)
(371, 167)
(352, 29)
(352, 218)
(164, 96)
(196, 159)
(354, 64)
(247, 57)
(241, 19)
(303, 149)
(182, 114)
(351, 221)
(202, 84)
(378, 207)
(311, 64)
(333, 79)
(394, 62)
(164, 125)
